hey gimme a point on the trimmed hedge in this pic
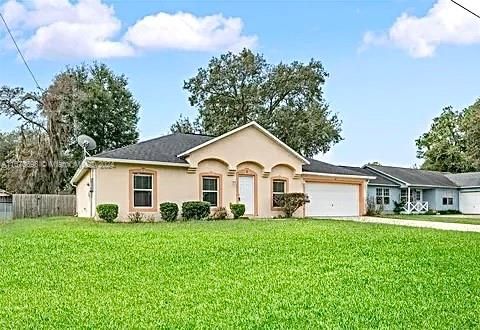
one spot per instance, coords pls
(169, 211)
(237, 210)
(195, 210)
(107, 212)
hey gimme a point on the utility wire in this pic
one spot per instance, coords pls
(20, 52)
(461, 6)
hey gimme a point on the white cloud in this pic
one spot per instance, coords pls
(58, 28)
(444, 24)
(188, 32)
(52, 29)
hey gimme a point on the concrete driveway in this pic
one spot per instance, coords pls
(416, 223)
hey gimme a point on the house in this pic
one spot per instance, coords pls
(247, 165)
(422, 190)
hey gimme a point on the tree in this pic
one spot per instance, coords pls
(286, 99)
(184, 125)
(471, 129)
(444, 146)
(83, 100)
(106, 110)
(7, 149)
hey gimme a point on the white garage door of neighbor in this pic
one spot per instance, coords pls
(470, 202)
(332, 199)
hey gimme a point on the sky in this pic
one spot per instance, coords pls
(393, 64)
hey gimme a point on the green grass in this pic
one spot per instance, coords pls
(424, 217)
(70, 273)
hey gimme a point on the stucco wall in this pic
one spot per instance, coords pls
(175, 184)
(394, 196)
(248, 145)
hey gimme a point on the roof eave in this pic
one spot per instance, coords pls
(351, 176)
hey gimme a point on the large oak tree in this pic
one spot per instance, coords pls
(286, 99)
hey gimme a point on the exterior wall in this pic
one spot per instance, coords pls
(429, 195)
(173, 184)
(248, 145)
(438, 200)
(176, 184)
(82, 192)
(394, 196)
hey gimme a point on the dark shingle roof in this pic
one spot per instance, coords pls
(416, 177)
(471, 179)
(166, 148)
(162, 149)
(317, 166)
(379, 179)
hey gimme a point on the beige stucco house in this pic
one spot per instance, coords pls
(247, 165)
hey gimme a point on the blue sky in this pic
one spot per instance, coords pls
(389, 74)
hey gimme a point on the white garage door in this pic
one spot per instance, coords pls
(470, 202)
(332, 199)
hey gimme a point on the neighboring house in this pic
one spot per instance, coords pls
(247, 165)
(422, 190)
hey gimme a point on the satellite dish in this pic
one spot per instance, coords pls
(87, 143)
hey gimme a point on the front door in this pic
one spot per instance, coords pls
(246, 193)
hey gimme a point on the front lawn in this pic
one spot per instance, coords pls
(69, 273)
(447, 218)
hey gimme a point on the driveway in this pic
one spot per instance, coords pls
(416, 223)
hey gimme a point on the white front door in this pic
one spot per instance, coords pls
(246, 193)
(332, 199)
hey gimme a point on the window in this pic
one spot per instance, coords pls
(447, 198)
(210, 190)
(382, 196)
(415, 195)
(278, 189)
(142, 190)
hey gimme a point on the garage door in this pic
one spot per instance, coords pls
(332, 199)
(470, 202)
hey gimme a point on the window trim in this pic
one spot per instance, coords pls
(131, 177)
(383, 196)
(448, 195)
(273, 179)
(219, 187)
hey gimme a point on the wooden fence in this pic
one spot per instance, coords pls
(33, 206)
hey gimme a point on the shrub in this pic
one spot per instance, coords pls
(398, 207)
(107, 212)
(136, 217)
(292, 202)
(169, 211)
(430, 212)
(449, 212)
(372, 208)
(237, 210)
(195, 210)
(220, 213)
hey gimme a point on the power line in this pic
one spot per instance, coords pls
(461, 6)
(20, 52)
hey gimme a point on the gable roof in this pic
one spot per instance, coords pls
(470, 179)
(379, 179)
(414, 177)
(251, 124)
(320, 167)
(161, 149)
